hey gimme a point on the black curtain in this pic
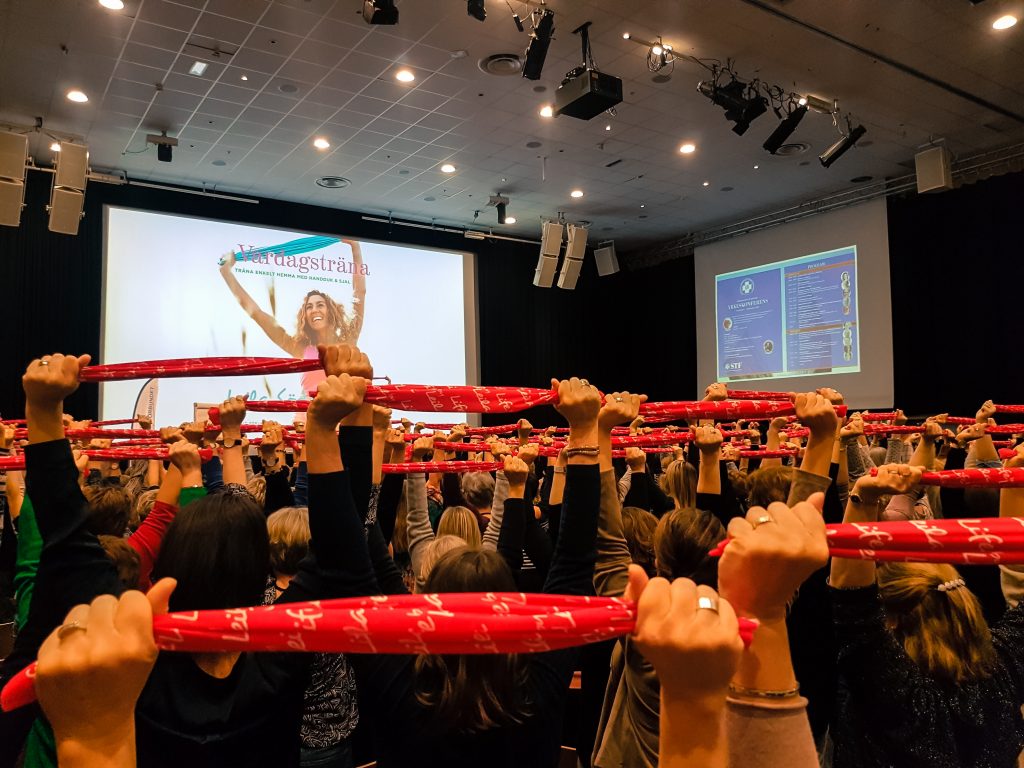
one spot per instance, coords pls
(632, 330)
(957, 271)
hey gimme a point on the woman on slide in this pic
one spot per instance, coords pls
(320, 320)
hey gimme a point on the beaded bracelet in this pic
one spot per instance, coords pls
(588, 450)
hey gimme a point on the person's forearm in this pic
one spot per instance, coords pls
(170, 488)
(234, 465)
(766, 665)
(840, 456)
(378, 454)
(772, 443)
(322, 453)
(45, 421)
(985, 449)
(845, 573)
(113, 750)
(15, 494)
(709, 479)
(692, 734)
(924, 454)
(1011, 502)
(818, 454)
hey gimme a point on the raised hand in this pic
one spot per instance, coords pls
(707, 438)
(528, 454)
(273, 437)
(932, 431)
(986, 412)
(336, 397)
(52, 378)
(816, 413)
(694, 650)
(185, 456)
(232, 414)
(619, 408)
(171, 434)
(422, 448)
(524, 428)
(381, 418)
(345, 358)
(516, 470)
(716, 391)
(770, 554)
(971, 432)
(890, 479)
(730, 452)
(578, 401)
(833, 396)
(636, 459)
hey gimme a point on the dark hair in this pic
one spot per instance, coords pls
(682, 542)
(768, 484)
(218, 550)
(110, 506)
(125, 559)
(638, 526)
(472, 692)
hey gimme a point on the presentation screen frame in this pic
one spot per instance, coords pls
(471, 313)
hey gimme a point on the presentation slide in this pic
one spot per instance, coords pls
(177, 287)
(803, 304)
(796, 317)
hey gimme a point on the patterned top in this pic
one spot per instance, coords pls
(331, 712)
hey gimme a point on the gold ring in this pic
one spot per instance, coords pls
(762, 520)
(68, 628)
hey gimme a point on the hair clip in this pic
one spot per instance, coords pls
(948, 586)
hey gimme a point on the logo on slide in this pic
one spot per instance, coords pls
(747, 287)
(727, 324)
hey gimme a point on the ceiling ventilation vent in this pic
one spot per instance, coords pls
(502, 64)
(788, 150)
(333, 182)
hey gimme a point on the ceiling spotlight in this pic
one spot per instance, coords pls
(576, 194)
(113, 5)
(510, 219)
(657, 50)
(1004, 22)
(164, 146)
(625, 35)
(688, 149)
(475, 8)
(55, 146)
(608, 127)
(840, 148)
(447, 168)
(404, 76)
(198, 68)
(802, 101)
(756, 167)
(321, 143)
(245, 77)
(547, 111)
(77, 96)
(380, 12)
(540, 41)
(501, 207)
(707, 184)
(784, 129)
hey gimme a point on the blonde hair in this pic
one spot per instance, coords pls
(288, 529)
(461, 522)
(943, 631)
(438, 547)
(680, 483)
(141, 507)
(257, 486)
(338, 325)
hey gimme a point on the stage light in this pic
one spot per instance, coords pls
(198, 68)
(164, 146)
(501, 208)
(475, 8)
(784, 129)
(841, 147)
(77, 96)
(547, 111)
(55, 146)
(540, 41)
(740, 108)
(380, 12)
(447, 168)
(688, 149)
(404, 76)
(576, 194)
(706, 184)
(1004, 22)
(321, 143)
(510, 219)
(245, 77)
(802, 101)
(625, 35)
(657, 50)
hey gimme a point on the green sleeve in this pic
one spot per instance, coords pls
(188, 495)
(30, 545)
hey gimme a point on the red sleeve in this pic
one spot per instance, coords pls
(147, 539)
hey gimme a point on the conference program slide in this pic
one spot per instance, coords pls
(179, 287)
(790, 318)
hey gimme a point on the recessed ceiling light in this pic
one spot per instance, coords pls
(321, 143)
(688, 149)
(55, 147)
(625, 35)
(245, 77)
(113, 5)
(707, 183)
(1004, 22)
(576, 193)
(447, 168)
(547, 111)
(77, 96)
(198, 68)
(510, 219)
(643, 205)
(608, 127)
(404, 76)
(756, 167)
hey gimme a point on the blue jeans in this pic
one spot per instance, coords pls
(338, 756)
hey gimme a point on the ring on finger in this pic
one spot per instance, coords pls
(762, 520)
(68, 627)
(705, 603)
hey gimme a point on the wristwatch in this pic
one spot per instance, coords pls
(230, 442)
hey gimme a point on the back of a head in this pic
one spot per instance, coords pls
(125, 559)
(478, 489)
(877, 455)
(257, 486)
(142, 506)
(682, 541)
(769, 484)
(638, 526)
(438, 546)
(680, 483)
(461, 522)
(288, 530)
(472, 692)
(218, 550)
(110, 506)
(938, 620)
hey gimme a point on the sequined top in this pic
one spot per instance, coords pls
(891, 714)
